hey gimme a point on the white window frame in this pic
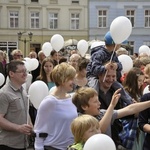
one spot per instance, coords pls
(130, 14)
(36, 20)
(15, 19)
(102, 18)
(53, 20)
(131, 43)
(75, 21)
(147, 19)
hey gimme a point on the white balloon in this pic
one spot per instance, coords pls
(38, 90)
(144, 49)
(57, 42)
(47, 48)
(120, 29)
(34, 64)
(27, 59)
(28, 65)
(82, 46)
(126, 61)
(2, 79)
(146, 90)
(99, 142)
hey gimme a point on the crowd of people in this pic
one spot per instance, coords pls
(87, 97)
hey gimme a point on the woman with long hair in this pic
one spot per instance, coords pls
(45, 71)
(133, 84)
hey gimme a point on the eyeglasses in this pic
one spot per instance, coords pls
(21, 71)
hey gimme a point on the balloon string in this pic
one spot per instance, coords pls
(57, 58)
(28, 110)
(110, 61)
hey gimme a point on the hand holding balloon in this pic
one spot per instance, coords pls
(111, 65)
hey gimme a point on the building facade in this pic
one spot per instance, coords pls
(73, 19)
(41, 19)
(103, 12)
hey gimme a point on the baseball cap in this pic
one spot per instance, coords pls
(108, 39)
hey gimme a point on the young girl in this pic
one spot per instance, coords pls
(133, 84)
(46, 69)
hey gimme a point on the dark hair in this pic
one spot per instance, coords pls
(131, 83)
(12, 66)
(63, 59)
(53, 52)
(136, 54)
(43, 76)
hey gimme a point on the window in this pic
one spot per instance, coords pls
(53, 20)
(35, 20)
(75, 1)
(131, 16)
(147, 18)
(14, 19)
(75, 21)
(102, 17)
(130, 47)
(35, 1)
(147, 43)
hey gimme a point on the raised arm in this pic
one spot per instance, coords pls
(106, 120)
(133, 109)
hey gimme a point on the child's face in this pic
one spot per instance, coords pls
(90, 132)
(94, 106)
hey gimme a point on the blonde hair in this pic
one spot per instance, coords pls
(145, 60)
(73, 56)
(62, 73)
(1, 53)
(121, 51)
(147, 69)
(15, 51)
(81, 124)
(82, 96)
